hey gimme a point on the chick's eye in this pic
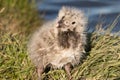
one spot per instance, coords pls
(73, 22)
(66, 22)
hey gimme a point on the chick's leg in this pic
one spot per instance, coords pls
(40, 70)
(68, 67)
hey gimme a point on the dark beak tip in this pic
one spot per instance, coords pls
(59, 26)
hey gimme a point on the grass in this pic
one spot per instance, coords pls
(14, 63)
(19, 16)
(17, 20)
(102, 62)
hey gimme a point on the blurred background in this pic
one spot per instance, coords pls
(27, 15)
(97, 11)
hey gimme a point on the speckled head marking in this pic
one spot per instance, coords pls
(71, 23)
(71, 19)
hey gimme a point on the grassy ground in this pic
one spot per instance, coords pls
(18, 18)
(14, 63)
(102, 62)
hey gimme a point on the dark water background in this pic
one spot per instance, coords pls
(97, 11)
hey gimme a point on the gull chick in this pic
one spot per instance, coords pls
(59, 43)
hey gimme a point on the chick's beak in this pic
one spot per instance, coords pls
(60, 23)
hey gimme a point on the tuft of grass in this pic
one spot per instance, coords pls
(103, 61)
(17, 19)
(14, 62)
